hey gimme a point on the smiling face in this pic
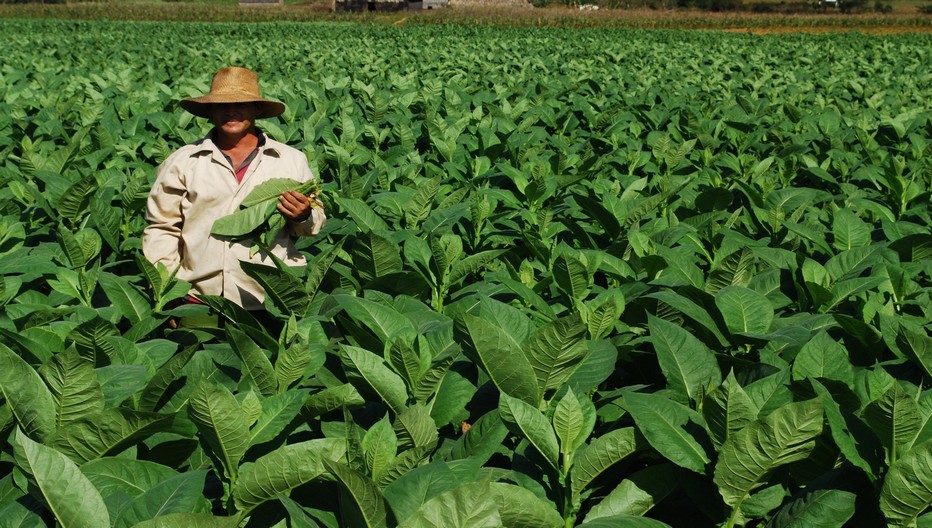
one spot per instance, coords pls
(234, 119)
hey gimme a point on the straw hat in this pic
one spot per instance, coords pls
(233, 85)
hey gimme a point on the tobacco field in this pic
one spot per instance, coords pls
(590, 277)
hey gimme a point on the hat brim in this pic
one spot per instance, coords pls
(200, 106)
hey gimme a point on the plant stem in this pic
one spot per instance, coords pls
(569, 511)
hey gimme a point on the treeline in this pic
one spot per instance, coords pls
(755, 6)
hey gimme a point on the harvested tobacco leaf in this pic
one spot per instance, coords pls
(257, 218)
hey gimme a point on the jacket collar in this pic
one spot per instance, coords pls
(267, 145)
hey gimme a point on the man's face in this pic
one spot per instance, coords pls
(234, 119)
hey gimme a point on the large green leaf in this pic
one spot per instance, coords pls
(159, 387)
(849, 230)
(269, 190)
(907, 488)
(435, 378)
(525, 420)
(601, 454)
(409, 491)
(284, 469)
(65, 491)
(502, 359)
(689, 366)
(823, 357)
(34, 345)
(405, 462)
(744, 310)
(117, 475)
(371, 369)
(119, 382)
(845, 289)
(181, 493)
(74, 387)
(570, 424)
(299, 516)
(624, 521)
(318, 269)
(639, 493)
(691, 309)
(482, 440)
(222, 425)
(571, 276)
(598, 366)
(856, 441)
(125, 297)
(285, 290)
(727, 409)
(367, 507)
(256, 365)
(520, 508)
(674, 430)
(379, 447)
(15, 514)
(414, 427)
(190, 520)
(107, 218)
(917, 345)
(735, 269)
(472, 264)
(277, 412)
(355, 458)
(76, 199)
(786, 435)
(365, 218)
(387, 323)
(332, 399)
(466, 506)
(516, 323)
(829, 508)
(419, 205)
(106, 432)
(92, 340)
(375, 256)
(30, 400)
(851, 263)
(895, 419)
(407, 362)
(603, 313)
(296, 360)
(771, 392)
(555, 350)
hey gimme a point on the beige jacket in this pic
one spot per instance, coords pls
(195, 186)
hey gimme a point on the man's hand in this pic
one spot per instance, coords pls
(296, 206)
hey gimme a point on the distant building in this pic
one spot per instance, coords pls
(356, 6)
(479, 4)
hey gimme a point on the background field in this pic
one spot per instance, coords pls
(572, 277)
(904, 17)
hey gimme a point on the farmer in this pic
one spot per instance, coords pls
(208, 179)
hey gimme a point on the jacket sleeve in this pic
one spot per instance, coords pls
(161, 239)
(311, 226)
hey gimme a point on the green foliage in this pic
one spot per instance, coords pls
(616, 279)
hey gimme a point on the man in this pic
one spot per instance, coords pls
(208, 179)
